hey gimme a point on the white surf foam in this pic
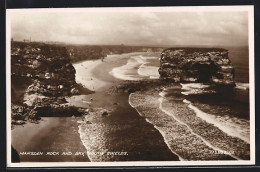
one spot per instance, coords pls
(128, 71)
(148, 71)
(82, 136)
(195, 88)
(162, 94)
(190, 129)
(136, 68)
(232, 126)
(242, 86)
(148, 57)
(161, 132)
(193, 85)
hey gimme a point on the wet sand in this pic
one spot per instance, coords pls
(95, 74)
(52, 134)
(123, 129)
(87, 79)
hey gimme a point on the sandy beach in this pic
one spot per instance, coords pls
(122, 135)
(88, 80)
(110, 87)
(96, 74)
(51, 134)
(133, 120)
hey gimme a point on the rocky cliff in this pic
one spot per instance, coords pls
(206, 65)
(89, 52)
(42, 76)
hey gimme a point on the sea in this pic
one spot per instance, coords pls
(193, 121)
(219, 117)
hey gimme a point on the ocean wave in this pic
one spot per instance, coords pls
(195, 88)
(191, 130)
(179, 137)
(163, 93)
(161, 132)
(242, 86)
(230, 125)
(136, 68)
(222, 132)
(128, 71)
(148, 71)
(147, 57)
(200, 88)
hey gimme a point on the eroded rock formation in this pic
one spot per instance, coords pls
(205, 65)
(42, 75)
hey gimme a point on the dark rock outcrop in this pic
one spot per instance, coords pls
(51, 78)
(205, 65)
(48, 65)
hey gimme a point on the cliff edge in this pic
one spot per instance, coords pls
(204, 65)
(41, 77)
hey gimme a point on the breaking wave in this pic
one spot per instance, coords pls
(136, 68)
(243, 86)
(230, 125)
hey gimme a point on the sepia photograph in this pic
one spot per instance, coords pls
(130, 86)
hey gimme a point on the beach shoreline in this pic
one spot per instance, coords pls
(131, 120)
(122, 121)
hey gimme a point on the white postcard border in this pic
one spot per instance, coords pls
(249, 9)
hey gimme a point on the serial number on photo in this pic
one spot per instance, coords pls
(222, 152)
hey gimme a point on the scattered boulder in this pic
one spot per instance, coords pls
(33, 115)
(17, 112)
(61, 100)
(18, 116)
(131, 90)
(88, 122)
(105, 114)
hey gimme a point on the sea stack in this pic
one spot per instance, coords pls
(203, 65)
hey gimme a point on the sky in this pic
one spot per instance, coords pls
(134, 28)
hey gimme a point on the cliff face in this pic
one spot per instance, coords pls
(49, 67)
(88, 52)
(42, 76)
(206, 65)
